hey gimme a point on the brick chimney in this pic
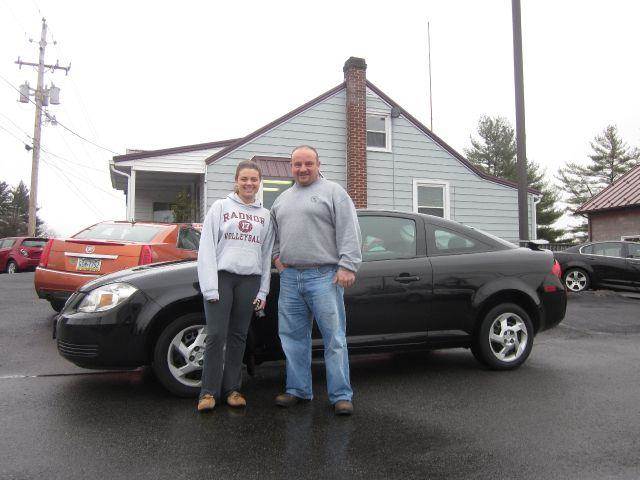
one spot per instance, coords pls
(356, 109)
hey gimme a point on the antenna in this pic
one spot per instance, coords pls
(430, 93)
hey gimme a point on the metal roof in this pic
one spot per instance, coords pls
(624, 192)
(278, 167)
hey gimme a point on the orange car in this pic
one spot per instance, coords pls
(67, 264)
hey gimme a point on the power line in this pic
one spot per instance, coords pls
(17, 126)
(77, 191)
(13, 135)
(85, 179)
(61, 124)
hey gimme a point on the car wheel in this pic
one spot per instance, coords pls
(576, 280)
(505, 337)
(12, 267)
(179, 355)
(57, 305)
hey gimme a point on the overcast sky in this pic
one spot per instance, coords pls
(154, 74)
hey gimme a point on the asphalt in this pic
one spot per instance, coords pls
(571, 411)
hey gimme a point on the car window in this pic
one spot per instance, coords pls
(449, 242)
(120, 231)
(7, 243)
(189, 239)
(387, 238)
(587, 250)
(634, 250)
(34, 243)
(608, 249)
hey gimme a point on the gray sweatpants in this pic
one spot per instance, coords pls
(228, 321)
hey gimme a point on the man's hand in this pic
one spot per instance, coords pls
(344, 278)
(279, 265)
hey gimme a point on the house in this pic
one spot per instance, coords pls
(383, 156)
(614, 213)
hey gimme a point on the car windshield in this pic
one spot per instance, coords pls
(120, 231)
(34, 243)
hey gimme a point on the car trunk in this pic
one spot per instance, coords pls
(95, 257)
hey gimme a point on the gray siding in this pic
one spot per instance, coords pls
(473, 200)
(322, 125)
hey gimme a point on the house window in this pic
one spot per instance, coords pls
(431, 198)
(378, 131)
(271, 188)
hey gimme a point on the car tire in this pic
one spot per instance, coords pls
(576, 280)
(57, 305)
(178, 355)
(505, 337)
(12, 267)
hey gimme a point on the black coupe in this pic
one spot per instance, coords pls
(601, 265)
(424, 283)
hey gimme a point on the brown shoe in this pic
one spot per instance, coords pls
(287, 400)
(343, 407)
(206, 403)
(236, 400)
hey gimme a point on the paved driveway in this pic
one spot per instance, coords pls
(572, 411)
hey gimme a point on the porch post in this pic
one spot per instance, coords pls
(131, 197)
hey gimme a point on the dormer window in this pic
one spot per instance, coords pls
(378, 132)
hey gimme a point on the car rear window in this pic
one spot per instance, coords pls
(120, 231)
(32, 242)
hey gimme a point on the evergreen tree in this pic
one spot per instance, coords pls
(495, 153)
(5, 199)
(611, 158)
(15, 219)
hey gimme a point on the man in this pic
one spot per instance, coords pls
(317, 253)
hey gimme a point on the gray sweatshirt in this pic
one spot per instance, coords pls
(236, 238)
(316, 225)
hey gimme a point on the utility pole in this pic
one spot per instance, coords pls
(521, 142)
(41, 98)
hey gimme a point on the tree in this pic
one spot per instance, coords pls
(15, 216)
(183, 207)
(495, 153)
(611, 158)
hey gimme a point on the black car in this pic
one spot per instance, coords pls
(601, 265)
(425, 283)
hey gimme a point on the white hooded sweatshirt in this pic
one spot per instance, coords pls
(237, 238)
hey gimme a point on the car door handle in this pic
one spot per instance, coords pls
(406, 278)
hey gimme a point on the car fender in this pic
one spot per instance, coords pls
(182, 298)
(506, 285)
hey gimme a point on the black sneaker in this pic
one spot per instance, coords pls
(343, 407)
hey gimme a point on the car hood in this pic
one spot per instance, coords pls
(140, 275)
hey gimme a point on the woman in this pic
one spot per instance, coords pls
(234, 268)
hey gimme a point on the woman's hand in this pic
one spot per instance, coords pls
(259, 304)
(212, 300)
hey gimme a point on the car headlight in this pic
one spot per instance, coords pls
(106, 297)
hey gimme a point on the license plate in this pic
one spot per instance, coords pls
(88, 265)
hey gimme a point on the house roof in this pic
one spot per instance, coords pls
(136, 154)
(274, 166)
(275, 123)
(242, 141)
(623, 193)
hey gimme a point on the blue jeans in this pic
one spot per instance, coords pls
(306, 294)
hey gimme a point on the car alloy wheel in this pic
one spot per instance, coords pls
(576, 280)
(505, 337)
(12, 267)
(508, 337)
(178, 354)
(185, 355)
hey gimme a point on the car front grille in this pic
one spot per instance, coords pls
(77, 350)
